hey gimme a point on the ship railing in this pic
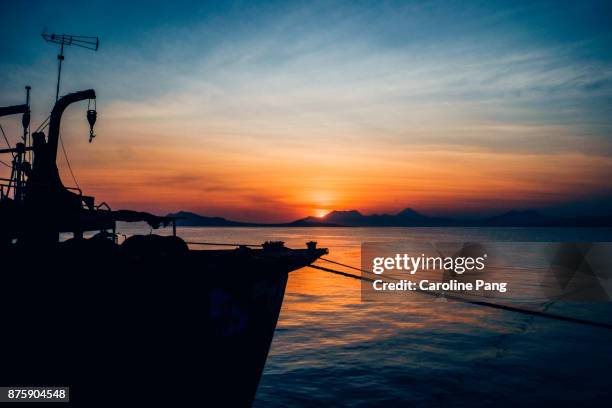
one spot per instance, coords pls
(10, 182)
(6, 186)
(78, 190)
(103, 206)
(87, 202)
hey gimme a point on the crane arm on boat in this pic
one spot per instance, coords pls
(14, 110)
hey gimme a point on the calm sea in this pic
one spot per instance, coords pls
(330, 349)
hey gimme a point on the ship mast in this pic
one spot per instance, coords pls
(87, 42)
(19, 164)
(90, 43)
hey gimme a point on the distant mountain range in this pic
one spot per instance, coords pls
(405, 218)
(189, 219)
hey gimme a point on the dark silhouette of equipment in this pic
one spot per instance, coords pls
(20, 167)
(149, 312)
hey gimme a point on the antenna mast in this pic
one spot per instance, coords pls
(90, 43)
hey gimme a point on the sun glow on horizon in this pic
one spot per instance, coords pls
(319, 213)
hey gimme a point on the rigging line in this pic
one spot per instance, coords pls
(483, 303)
(68, 162)
(6, 140)
(7, 165)
(43, 125)
(29, 143)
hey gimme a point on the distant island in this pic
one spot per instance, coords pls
(405, 218)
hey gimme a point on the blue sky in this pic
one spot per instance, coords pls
(530, 82)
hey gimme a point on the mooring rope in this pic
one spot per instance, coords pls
(493, 305)
(348, 275)
(484, 303)
(222, 244)
(347, 266)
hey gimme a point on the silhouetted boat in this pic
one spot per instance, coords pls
(144, 322)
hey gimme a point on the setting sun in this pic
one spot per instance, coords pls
(321, 213)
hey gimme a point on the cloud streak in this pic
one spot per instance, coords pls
(441, 107)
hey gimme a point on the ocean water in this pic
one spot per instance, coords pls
(330, 349)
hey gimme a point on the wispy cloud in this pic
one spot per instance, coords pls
(335, 97)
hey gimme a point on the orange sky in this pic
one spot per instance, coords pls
(248, 178)
(275, 113)
(169, 160)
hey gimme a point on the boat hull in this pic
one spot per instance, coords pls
(177, 329)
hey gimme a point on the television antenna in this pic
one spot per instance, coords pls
(90, 43)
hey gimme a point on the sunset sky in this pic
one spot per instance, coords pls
(272, 111)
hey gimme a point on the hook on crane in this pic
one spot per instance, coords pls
(92, 115)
